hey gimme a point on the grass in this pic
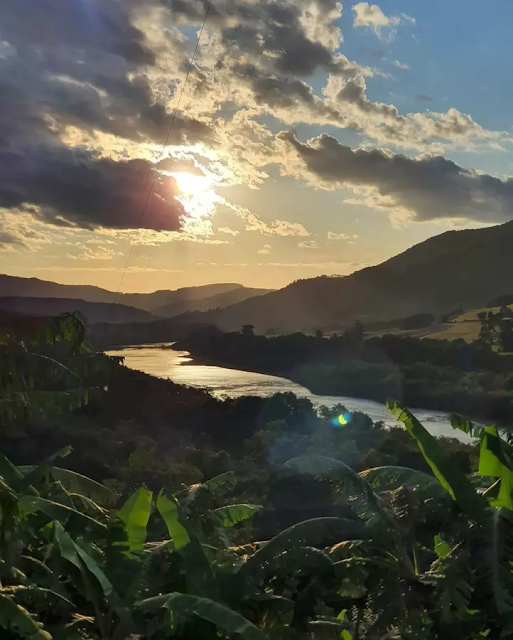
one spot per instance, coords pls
(469, 331)
(466, 326)
(472, 314)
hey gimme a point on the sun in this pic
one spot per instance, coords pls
(196, 193)
(190, 184)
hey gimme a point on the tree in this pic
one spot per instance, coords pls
(319, 334)
(247, 330)
(356, 334)
(488, 331)
(506, 335)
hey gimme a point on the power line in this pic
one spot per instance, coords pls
(152, 185)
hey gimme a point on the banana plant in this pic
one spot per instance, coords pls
(49, 372)
(473, 574)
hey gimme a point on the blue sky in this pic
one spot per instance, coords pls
(286, 160)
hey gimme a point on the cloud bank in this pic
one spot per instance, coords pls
(424, 188)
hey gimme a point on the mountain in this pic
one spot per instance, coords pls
(33, 287)
(92, 311)
(456, 268)
(186, 297)
(240, 294)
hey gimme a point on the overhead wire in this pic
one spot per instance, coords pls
(152, 185)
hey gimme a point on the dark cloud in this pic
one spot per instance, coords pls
(272, 91)
(274, 33)
(8, 239)
(354, 92)
(278, 94)
(430, 187)
(82, 27)
(422, 97)
(73, 187)
(82, 63)
(38, 104)
(288, 47)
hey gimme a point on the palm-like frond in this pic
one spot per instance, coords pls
(318, 532)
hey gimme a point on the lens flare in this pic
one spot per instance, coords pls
(342, 419)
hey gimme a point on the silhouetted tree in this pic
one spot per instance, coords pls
(488, 331)
(355, 336)
(319, 334)
(247, 330)
(506, 335)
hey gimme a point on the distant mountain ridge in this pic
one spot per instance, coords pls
(92, 312)
(456, 268)
(161, 302)
(240, 294)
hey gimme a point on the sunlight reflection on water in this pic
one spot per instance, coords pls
(164, 362)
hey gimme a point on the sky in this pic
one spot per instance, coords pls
(286, 139)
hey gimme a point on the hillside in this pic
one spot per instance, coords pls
(186, 298)
(92, 312)
(224, 299)
(456, 268)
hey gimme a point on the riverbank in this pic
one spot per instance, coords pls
(420, 374)
(234, 384)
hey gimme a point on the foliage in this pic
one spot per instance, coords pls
(47, 372)
(369, 550)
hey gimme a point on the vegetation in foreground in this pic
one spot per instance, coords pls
(393, 552)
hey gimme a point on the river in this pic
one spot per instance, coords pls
(164, 362)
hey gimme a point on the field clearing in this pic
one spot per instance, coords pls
(472, 314)
(469, 331)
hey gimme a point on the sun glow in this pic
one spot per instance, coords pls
(190, 184)
(197, 194)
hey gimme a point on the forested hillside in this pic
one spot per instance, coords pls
(458, 268)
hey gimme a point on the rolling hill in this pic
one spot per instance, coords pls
(456, 268)
(92, 312)
(159, 302)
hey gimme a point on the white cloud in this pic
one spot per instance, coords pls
(342, 268)
(130, 269)
(265, 251)
(228, 231)
(308, 244)
(401, 65)
(100, 253)
(275, 228)
(342, 236)
(371, 16)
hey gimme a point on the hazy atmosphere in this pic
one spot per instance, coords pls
(308, 137)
